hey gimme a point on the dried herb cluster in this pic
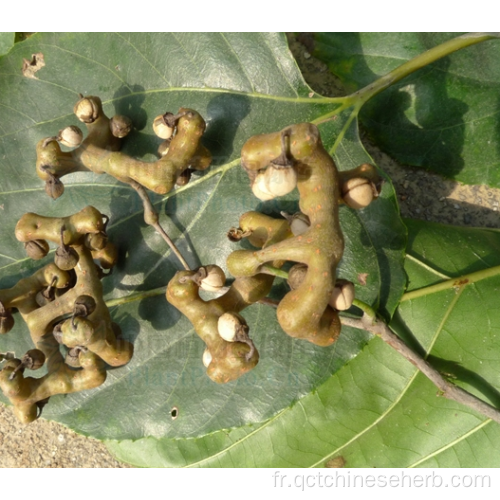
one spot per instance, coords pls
(62, 303)
(63, 307)
(312, 240)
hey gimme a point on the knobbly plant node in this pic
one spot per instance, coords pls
(296, 276)
(84, 306)
(72, 357)
(99, 152)
(87, 109)
(53, 186)
(309, 310)
(261, 230)
(342, 295)
(61, 306)
(225, 360)
(229, 353)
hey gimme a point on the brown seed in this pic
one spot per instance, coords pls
(84, 305)
(66, 258)
(54, 187)
(120, 126)
(161, 129)
(6, 319)
(33, 359)
(358, 192)
(36, 249)
(296, 276)
(214, 280)
(184, 178)
(70, 136)
(96, 241)
(342, 295)
(87, 109)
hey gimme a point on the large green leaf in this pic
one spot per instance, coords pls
(6, 41)
(378, 410)
(242, 84)
(445, 117)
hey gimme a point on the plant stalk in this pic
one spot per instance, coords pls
(446, 388)
(418, 62)
(453, 283)
(273, 271)
(151, 218)
(136, 296)
(361, 96)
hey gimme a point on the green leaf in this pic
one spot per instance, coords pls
(243, 84)
(378, 410)
(6, 41)
(443, 117)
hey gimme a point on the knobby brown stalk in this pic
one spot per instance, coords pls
(448, 390)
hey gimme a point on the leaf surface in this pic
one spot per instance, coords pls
(6, 41)
(445, 117)
(378, 410)
(243, 84)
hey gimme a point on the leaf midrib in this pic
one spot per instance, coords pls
(452, 443)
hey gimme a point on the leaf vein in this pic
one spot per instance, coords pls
(144, 57)
(421, 263)
(279, 66)
(449, 445)
(239, 61)
(94, 61)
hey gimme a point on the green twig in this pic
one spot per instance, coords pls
(273, 271)
(136, 296)
(453, 283)
(428, 57)
(360, 97)
(367, 309)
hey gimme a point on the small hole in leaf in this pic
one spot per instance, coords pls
(174, 412)
(31, 67)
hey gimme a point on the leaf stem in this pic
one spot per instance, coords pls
(446, 388)
(151, 218)
(273, 271)
(428, 57)
(136, 296)
(366, 308)
(455, 283)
